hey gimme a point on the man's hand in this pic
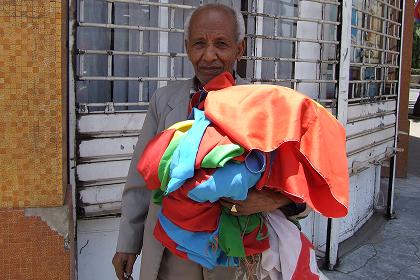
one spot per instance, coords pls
(257, 201)
(123, 262)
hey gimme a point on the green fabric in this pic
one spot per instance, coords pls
(218, 156)
(165, 162)
(232, 228)
(157, 196)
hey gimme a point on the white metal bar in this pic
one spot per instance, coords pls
(141, 91)
(290, 18)
(295, 84)
(141, 41)
(140, 79)
(81, 64)
(310, 81)
(158, 4)
(291, 39)
(109, 65)
(143, 53)
(390, 209)
(81, 9)
(372, 98)
(375, 49)
(276, 63)
(130, 27)
(101, 194)
(367, 147)
(342, 110)
(359, 166)
(259, 21)
(336, 3)
(172, 18)
(375, 32)
(370, 131)
(109, 125)
(109, 21)
(372, 81)
(163, 42)
(365, 64)
(321, 50)
(102, 104)
(131, 53)
(171, 59)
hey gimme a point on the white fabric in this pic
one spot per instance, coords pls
(280, 261)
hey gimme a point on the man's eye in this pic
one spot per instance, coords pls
(222, 44)
(198, 44)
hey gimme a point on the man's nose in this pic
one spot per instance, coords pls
(210, 54)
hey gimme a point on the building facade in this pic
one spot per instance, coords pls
(75, 82)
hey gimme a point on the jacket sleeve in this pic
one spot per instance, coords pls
(136, 197)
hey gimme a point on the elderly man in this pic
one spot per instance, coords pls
(214, 40)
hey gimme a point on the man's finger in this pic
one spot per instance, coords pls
(129, 265)
(227, 199)
(226, 203)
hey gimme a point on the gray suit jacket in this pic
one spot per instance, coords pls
(168, 105)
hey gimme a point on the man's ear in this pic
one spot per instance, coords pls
(186, 46)
(241, 50)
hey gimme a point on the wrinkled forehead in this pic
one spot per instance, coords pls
(213, 20)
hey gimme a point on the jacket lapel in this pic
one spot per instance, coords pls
(179, 104)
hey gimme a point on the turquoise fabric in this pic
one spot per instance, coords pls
(233, 181)
(183, 159)
(198, 245)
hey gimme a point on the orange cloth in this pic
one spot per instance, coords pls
(310, 161)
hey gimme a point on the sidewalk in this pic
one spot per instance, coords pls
(390, 249)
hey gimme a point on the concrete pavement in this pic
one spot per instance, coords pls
(388, 249)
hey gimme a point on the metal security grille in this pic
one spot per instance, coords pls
(140, 47)
(297, 49)
(373, 86)
(294, 44)
(375, 52)
(125, 49)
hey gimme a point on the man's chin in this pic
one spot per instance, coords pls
(207, 77)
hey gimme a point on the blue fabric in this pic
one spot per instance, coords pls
(197, 245)
(233, 181)
(255, 161)
(183, 159)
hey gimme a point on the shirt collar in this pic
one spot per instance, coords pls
(197, 85)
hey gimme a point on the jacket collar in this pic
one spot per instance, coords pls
(183, 94)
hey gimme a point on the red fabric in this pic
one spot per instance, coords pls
(189, 214)
(150, 159)
(310, 162)
(221, 81)
(166, 241)
(303, 267)
(212, 137)
(252, 245)
(417, 11)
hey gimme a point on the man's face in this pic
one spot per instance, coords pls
(212, 45)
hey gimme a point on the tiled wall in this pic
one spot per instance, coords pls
(29, 249)
(32, 103)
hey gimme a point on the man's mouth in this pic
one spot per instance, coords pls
(210, 69)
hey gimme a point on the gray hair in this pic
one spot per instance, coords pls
(239, 20)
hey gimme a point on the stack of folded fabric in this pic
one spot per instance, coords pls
(247, 136)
